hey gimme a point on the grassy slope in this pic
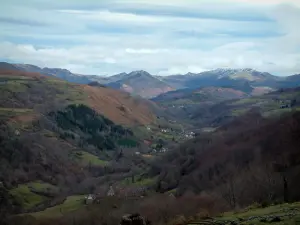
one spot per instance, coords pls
(86, 159)
(268, 104)
(288, 214)
(72, 203)
(29, 199)
(200, 96)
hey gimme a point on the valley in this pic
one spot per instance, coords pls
(70, 150)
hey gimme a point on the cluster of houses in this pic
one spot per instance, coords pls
(284, 104)
(122, 193)
(162, 150)
(129, 192)
(183, 135)
(189, 135)
(164, 130)
(178, 106)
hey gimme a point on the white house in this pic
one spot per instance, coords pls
(89, 199)
(111, 192)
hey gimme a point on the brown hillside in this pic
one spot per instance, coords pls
(118, 106)
(16, 73)
(219, 92)
(27, 90)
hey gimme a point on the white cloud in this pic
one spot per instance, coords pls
(163, 37)
(113, 17)
(145, 51)
(272, 2)
(182, 70)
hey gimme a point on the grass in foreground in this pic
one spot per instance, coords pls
(284, 214)
(256, 211)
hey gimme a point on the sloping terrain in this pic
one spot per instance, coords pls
(288, 213)
(32, 90)
(185, 105)
(56, 72)
(290, 82)
(119, 106)
(176, 81)
(270, 105)
(8, 66)
(198, 96)
(62, 135)
(248, 162)
(141, 83)
(252, 159)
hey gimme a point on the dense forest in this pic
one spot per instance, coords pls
(81, 123)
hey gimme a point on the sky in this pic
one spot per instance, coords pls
(163, 37)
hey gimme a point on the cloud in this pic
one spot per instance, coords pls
(114, 17)
(145, 51)
(163, 37)
(14, 21)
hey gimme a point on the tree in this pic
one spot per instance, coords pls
(282, 168)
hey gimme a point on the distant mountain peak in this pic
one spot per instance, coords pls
(139, 72)
(140, 83)
(234, 70)
(57, 70)
(189, 74)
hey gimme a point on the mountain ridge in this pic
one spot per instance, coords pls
(141, 83)
(244, 79)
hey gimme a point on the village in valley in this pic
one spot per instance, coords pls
(125, 193)
(163, 138)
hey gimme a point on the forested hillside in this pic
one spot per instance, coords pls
(252, 159)
(56, 140)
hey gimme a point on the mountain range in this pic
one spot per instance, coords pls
(133, 82)
(142, 83)
(223, 77)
